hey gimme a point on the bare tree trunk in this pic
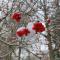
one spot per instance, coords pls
(19, 51)
(51, 53)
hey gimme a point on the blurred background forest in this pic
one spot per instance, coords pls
(40, 46)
